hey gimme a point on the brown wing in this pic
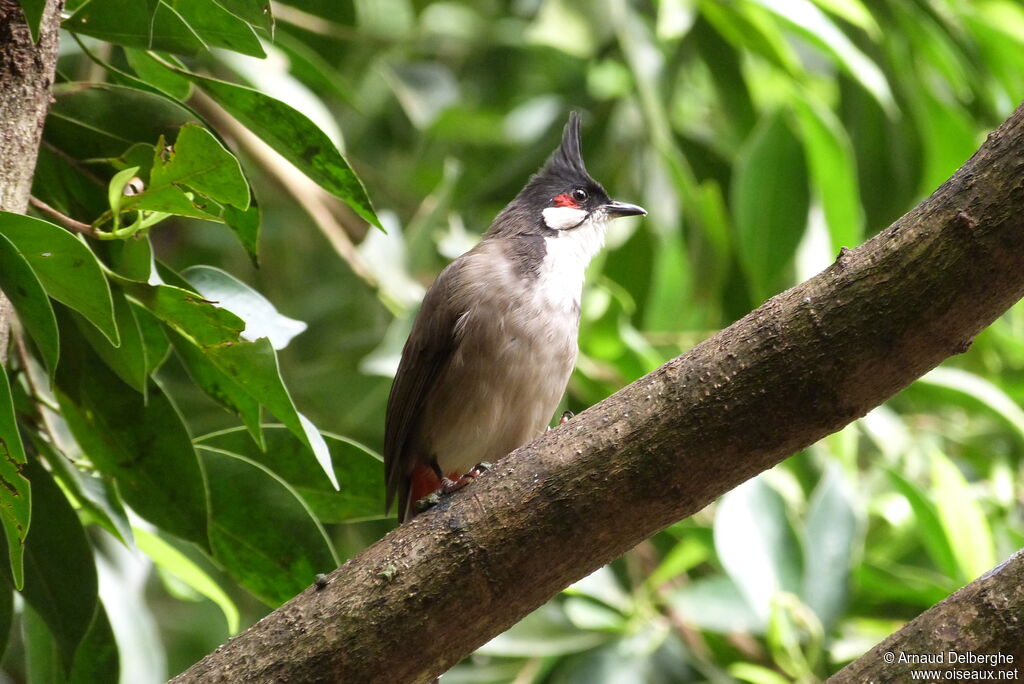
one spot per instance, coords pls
(424, 357)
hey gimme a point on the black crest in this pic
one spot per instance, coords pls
(563, 171)
(567, 161)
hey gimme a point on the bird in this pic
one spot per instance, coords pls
(495, 340)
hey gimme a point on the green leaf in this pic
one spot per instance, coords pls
(186, 312)
(357, 469)
(42, 654)
(129, 359)
(770, 201)
(963, 520)
(153, 338)
(143, 445)
(129, 22)
(33, 10)
(97, 659)
(68, 271)
(757, 545)
(260, 316)
(219, 386)
(246, 227)
(929, 527)
(833, 171)
(153, 72)
(16, 492)
(60, 576)
(688, 553)
(29, 298)
(102, 120)
(6, 617)
(60, 182)
(975, 392)
(199, 162)
(131, 257)
(261, 531)
(253, 365)
(174, 562)
(219, 28)
(94, 493)
(295, 137)
(831, 530)
(813, 24)
(256, 12)
(544, 632)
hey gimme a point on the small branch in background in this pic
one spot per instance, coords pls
(71, 224)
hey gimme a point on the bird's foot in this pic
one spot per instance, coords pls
(448, 486)
(566, 417)
(428, 502)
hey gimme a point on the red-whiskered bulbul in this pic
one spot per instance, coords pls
(494, 343)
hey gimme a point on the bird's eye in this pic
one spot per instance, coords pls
(579, 194)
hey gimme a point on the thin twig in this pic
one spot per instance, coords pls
(71, 224)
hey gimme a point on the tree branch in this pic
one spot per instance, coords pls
(982, 619)
(801, 366)
(26, 73)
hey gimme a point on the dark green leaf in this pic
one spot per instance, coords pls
(219, 28)
(6, 617)
(199, 162)
(153, 72)
(143, 445)
(256, 12)
(359, 471)
(769, 202)
(129, 359)
(102, 120)
(219, 386)
(60, 576)
(16, 491)
(129, 22)
(67, 187)
(97, 659)
(33, 10)
(67, 269)
(94, 493)
(261, 531)
(246, 226)
(29, 298)
(42, 654)
(295, 137)
(186, 312)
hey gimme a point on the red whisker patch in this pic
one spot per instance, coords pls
(565, 200)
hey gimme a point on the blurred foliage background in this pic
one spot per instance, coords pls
(762, 136)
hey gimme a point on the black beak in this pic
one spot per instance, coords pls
(617, 209)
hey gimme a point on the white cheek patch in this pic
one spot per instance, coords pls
(561, 218)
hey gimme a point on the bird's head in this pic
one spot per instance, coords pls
(562, 196)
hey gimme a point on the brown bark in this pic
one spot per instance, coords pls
(26, 74)
(801, 366)
(982, 619)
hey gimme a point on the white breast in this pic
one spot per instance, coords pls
(560, 277)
